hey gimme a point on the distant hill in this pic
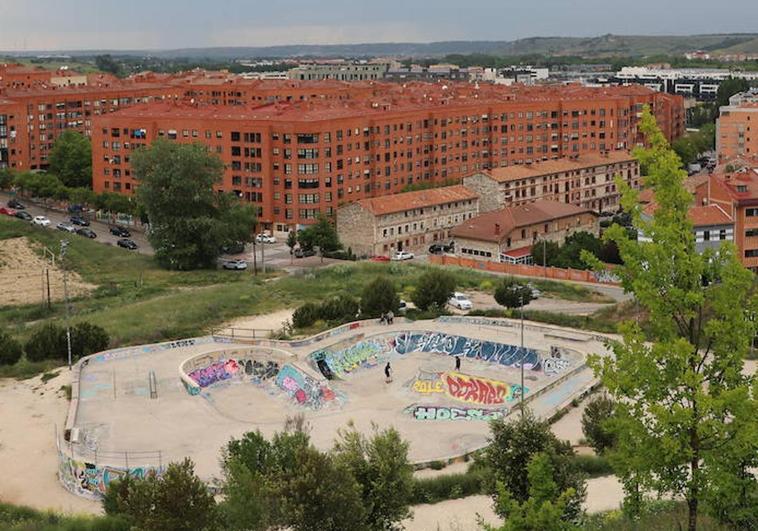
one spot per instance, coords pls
(601, 46)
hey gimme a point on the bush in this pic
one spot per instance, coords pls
(447, 487)
(10, 350)
(87, 339)
(305, 315)
(512, 293)
(379, 297)
(593, 465)
(48, 341)
(338, 309)
(433, 288)
(594, 423)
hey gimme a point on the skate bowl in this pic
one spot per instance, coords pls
(134, 410)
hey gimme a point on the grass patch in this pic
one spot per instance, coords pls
(46, 377)
(657, 515)
(593, 465)
(25, 369)
(20, 518)
(66, 389)
(449, 486)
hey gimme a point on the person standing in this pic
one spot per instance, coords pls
(457, 363)
(388, 373)
(390, 317)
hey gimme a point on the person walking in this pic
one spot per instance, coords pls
(388, 373)
(390, 317)
(457, 363)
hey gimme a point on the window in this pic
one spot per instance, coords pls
(706, 235)
(751, 253)
(751, 212)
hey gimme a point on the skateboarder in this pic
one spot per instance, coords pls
(388, 373)
(457, 363)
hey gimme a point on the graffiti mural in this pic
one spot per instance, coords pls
(215, 372)
(452, 345)
(555, 365)
(302, 388)
(455, 413)
(428, 382)
(91, 480)
(480, 390)
(368, 353)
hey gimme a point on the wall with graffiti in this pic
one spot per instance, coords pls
(455, 413)
(303, 389)
(204, 370)
(341, 360)
(91, 480)
(466, 388)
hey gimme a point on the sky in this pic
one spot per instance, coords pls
(27, 25)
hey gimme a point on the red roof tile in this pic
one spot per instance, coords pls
(417, 199)
(547, 167)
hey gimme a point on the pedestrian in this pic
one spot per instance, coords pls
(388, 373)
(390, 317)
(457, 363)
(382, 319)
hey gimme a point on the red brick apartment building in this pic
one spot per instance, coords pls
(297, 157)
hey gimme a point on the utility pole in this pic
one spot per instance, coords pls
(544, 257)
(263, 257)
(521, 300)
(47, 274)
(64, 246)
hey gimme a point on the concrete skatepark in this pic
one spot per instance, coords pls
(136, 409)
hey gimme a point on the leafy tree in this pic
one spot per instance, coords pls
(71, 159)
(82, 196)
(114, 203)
(545, 508)
(322, 234)
(6, 178)
(10, 349)
(379, 297)
(176, 499)
(48, 341)
(305, 315)
(107, 63)
(40, 184)
(189, 222)
(339, 309)
(433, 289)
(292, 243)
(596, 415)
(728, 88)
(545, 252)
(380, 466)
(512, 293)
(683, 404)
(573, 246)
(514, 442)
(87, 339)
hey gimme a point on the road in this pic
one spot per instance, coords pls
(100, 228)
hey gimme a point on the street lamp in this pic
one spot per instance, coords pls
(521, 301)
(64, 247)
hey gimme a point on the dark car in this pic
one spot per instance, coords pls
(302, 253)
(78, 220)
(26, 216)
(16, 204)
(233, 248)
(436, 248)
(120, 232)
(87, 233)
(127, 244)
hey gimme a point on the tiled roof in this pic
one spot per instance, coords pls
(497, 225)
(419, 199)
(700, 216)
(538, 169)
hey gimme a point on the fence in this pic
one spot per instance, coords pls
(552, 273)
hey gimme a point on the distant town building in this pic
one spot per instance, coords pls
(711, 224)
(587, 181)
(339, 71)
(379, 226)
(508, 235)
(737, 127)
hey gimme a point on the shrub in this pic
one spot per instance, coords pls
(513, 294)
(87, 339)
(305, 315)
(48, 341)
(379, 297)
(10, 350)
(433, 288)
(593, 465)
(447, 487)
(594, 423)
(340, 308)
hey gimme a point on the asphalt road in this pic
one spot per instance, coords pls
(100, 228)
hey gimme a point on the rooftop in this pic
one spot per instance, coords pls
(699, 216)
(548, 167)
(497, 225)
(418, 199)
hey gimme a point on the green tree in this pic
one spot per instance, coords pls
(48, 341)
(106, 63)
(6, 178)
(595, 419)
(10, 349)
(683, 404)
(381, 467)
(433, 289)
(728, 88)
(82, 196)
(379, 297)
(114, 203)
(513, 444)
(545, 252)
(544, 509)
(87, 339)
(177, 500)
(292, 243)
(189, 221)
(71, 159)
(512, 293)
(321, 234)
(574, 245)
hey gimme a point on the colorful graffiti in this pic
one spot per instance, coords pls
(215, 372)
(368, 353)
(480, 390)
(427, 382)
(455, 413)
(305, 390)
(91, 480)
(452, 345)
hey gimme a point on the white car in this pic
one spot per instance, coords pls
(238, 265)
(65, 227)
(265, 238)
(42, 221)
(460, 301)
(402, 255)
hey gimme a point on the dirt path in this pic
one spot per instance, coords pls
(485, 301)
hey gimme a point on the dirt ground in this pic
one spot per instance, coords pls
(23, 279)
(271, 321)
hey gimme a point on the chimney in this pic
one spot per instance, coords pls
(497, 229)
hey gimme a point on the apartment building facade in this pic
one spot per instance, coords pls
(737, 127)
(412, 221)
(587, 181)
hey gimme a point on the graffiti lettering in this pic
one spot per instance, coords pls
(554, 365)
(302, 388)
(91, 480)
(480, 390)
(426, 386)
(367, 353)
(215, 372)
(454, 413)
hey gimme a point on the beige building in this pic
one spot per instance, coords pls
(587, 181)
(410, 221)
(507, 235)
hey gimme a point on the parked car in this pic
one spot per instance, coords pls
(87, 233)
(41, 221)
(380, 258)
(65, 227)
(402, 307)
(14, 203)
(126, 243)
(302, 253)
(74, 209)
(536, 293)
(237, 265)
(121, 232)
(22, 214)
(402, 255)
(436, 248)
(265, 238)
(78, 220)
(233, 248)
(7, 211)
(460, 301)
